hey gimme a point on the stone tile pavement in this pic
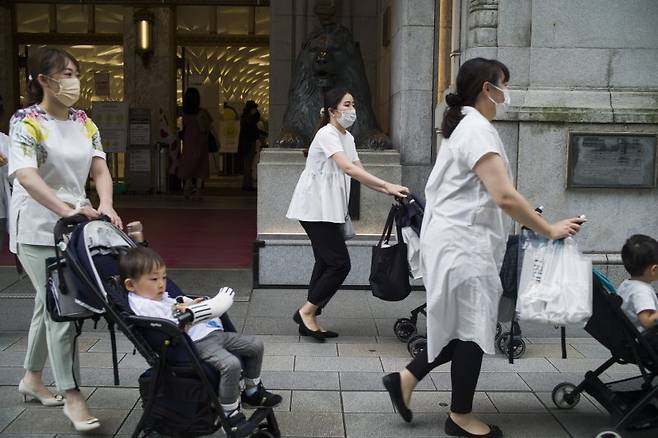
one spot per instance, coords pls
(332, 389)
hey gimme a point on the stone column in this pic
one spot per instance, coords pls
(282, 58)
(152, 85)
(9, 68)
(412, 87)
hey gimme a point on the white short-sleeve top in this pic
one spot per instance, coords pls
(61, 151)
(5, 188)
(637, 297)
(323, 189)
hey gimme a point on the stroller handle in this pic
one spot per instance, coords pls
(66, 224)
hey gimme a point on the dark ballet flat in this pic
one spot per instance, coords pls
(330, 334)
(305, 331)
(453, 429)
(394, 387)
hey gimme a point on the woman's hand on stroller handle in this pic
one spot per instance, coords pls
(88, 212)
(396, 190)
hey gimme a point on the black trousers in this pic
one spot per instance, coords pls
(466, 360)
(332, 261)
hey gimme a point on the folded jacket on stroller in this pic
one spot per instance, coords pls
(178, 391)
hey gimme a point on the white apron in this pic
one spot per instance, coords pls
(463, 240)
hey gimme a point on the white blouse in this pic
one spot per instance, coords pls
(322, 192)
(5, 186)
(61, 151)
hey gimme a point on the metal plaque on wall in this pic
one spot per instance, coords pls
(611, 160)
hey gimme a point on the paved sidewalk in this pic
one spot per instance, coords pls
(332, 389)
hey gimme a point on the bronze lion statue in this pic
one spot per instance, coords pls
(329, 58)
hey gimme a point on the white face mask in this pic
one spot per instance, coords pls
(346, 118)
(501, 107)
(69, 90)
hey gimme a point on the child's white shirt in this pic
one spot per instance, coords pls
(638, 296)
(164, 309)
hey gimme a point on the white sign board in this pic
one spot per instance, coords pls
(229, 135)
(112, 121)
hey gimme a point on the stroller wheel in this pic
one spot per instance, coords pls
(564, 395)
(416, 345)
(518, 345)
(404, 329)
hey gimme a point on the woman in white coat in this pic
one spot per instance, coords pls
(470, 199)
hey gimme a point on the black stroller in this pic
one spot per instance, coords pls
(178, 391)
(510, 342)
(612, 328)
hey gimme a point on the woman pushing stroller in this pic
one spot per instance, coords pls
(470, 199)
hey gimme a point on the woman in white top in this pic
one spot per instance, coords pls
(54, 148)
(5, 188)
(320, 203)
(470, 199)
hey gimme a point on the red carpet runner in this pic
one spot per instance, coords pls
(189, 238)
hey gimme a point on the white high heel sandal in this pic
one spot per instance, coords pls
(86, 425)
(53, 400)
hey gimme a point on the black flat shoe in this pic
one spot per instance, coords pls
(305, 331)
(394, 387)
(453, 429)
(330, 334)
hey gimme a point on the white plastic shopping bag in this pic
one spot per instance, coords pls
(556, 282)
(413, 251)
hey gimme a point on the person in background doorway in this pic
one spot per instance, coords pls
(249, 134)
(194, 164)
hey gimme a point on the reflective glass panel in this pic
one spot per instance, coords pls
(109, 18)
(262, 21)
(72, 18)
(32, 18)
(233, 20)
(193, 19)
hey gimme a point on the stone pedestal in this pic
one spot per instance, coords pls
(282, 253)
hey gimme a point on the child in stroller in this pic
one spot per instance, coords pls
(143, 274)
(640, 257)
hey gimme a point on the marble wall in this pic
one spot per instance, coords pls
(575, 65)
(413, 37)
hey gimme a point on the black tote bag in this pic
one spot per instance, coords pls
(389, 268)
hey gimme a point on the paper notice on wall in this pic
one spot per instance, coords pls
(112, 121)
(140, 126)
(102, 83)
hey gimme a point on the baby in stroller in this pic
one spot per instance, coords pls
(640, 257)
(143, 274)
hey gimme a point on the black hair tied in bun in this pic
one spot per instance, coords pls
(453, 99)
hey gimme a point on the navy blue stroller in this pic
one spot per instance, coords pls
(630, 408)
(179, 392)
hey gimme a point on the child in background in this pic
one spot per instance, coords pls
(640, 257)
